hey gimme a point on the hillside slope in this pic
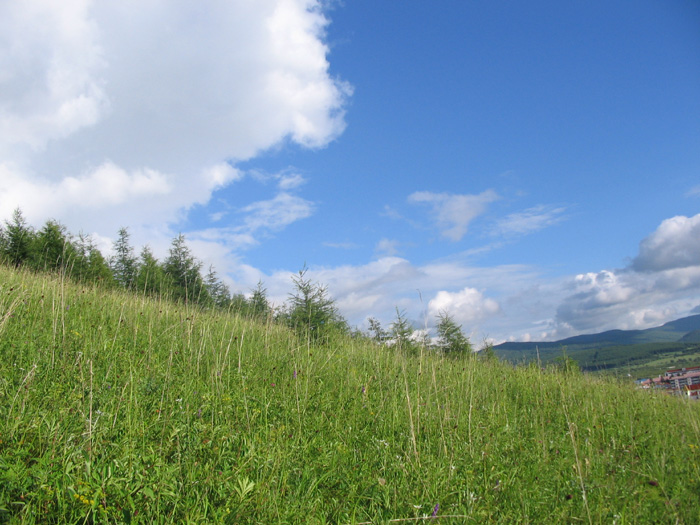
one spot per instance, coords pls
(121, 409)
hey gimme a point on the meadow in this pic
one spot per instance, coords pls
(120, 408)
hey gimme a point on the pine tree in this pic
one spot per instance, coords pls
(183, 269)
(219, 293)
(124, 264)
(402, 332)
(451, 340)
(53, 250)
(310, 310)
(151, 278)
(376, 332)
(90, 265)
(258, 306)
(18, 239)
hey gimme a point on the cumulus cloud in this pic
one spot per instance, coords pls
(142, 196)
(661, 284)
(501, 302)
(379, 287)
(627, 299)
(674, 244)
(51, 67)
(139, 110)
(453, 213)
(466, 306)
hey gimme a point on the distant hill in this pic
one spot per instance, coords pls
(673, 331)
(691, 337)
(642, 352)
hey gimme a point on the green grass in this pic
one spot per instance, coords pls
(120, 409)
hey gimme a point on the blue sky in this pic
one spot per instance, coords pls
(531, 167)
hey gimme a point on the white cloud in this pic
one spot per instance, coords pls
(452, 212)
(135, 111)
(379, 287)
(674, 244)
(466, 306)
(93, 198)
(276, 213)
(50, 72)
(627, 299)
(662, 283)
(501, 302)
(529, 221)
(290, 181)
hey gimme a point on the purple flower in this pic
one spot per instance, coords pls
(295, 374)
(435, 510)
(363, 389)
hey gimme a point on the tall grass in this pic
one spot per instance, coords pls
(116, 408)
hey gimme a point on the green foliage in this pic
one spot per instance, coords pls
(90, 265)
(183, 270)
(217, 290)
(376, 332)
(115, 408)
(451, 340)
(52, 249)
(124, 264)
(565, 364)
(488, 353)
(310, 311)
(638, 360)
(17, 240)
(258, 306)
(401, 333)
(151, 278)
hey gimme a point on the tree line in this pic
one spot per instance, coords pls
(309, 310)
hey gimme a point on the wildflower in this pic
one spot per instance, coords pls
(435, 510)
(295, 374)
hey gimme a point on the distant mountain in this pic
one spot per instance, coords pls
(673, 331)
(691, 337)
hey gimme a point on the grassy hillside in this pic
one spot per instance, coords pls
(119, 409)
